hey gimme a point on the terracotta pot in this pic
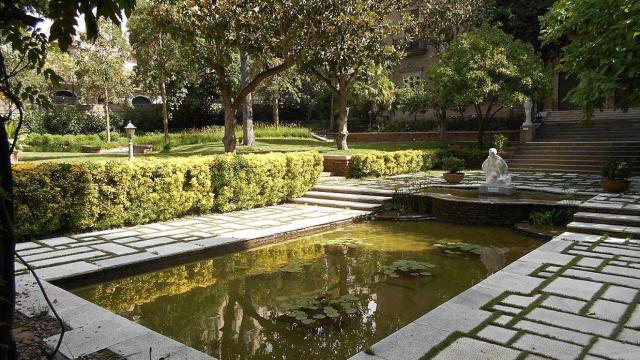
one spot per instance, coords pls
(614, 186)
(453, 178)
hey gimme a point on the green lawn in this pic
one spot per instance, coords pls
(262, 145)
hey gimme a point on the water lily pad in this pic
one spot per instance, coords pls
(406, 267)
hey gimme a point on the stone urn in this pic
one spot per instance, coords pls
(14, 157)
(453, 178)
(614, 186)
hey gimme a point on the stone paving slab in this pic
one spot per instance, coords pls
(575, 297)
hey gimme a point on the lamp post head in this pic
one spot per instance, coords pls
(130, 129)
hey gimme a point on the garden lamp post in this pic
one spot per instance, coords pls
(130, 131)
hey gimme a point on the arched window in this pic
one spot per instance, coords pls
(140, 100)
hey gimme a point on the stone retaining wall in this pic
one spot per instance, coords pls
(474, 212)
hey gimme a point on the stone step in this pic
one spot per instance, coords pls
(556, 167)
(325, 174)
(576, 170)
(353, 190)
(335, 203)
(607, 218)
(563, 161)
(602, 229)
(373, 199)
(574, 155)
(608, 208)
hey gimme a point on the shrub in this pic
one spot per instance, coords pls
(452, 164)
(381, 163)
(64, 120)
(214, 134)
(499, 141)
(616, 170)
(472, 156)
(58, 197)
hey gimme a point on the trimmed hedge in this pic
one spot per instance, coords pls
(59, 197)
(382, 163)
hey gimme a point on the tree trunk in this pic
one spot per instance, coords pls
(341, 138)
(275, 107)
(248, 137)
(332, 122)
(481, 126)
(229, 138)
(7, 251)
(106, 114)
(165, 113)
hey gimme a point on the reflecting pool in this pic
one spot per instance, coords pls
(322, 296)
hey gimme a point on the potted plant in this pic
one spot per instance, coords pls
(452, 166)
(615, 174)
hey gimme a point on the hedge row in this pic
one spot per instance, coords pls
(382, 163)
(58, 197)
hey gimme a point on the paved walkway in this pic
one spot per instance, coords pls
(575, 297)
(560, 183)
(578, 285)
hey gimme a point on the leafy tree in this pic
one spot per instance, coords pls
(286, 84)
(161, 58)
(360, 34)
(19, 32)
(411, 98)
(520, 18)
(440, 21)
(490, 70)
(374, 93)
(604, 49)
(101, 67)
(221, 30)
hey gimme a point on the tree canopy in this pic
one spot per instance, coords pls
(490, 70)
(603, 49)
(358, 33)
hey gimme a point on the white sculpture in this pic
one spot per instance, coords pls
(528, 105)
(496, 169)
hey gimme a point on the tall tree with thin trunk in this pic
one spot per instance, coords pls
(19, 31)
(101, 68)
(248, 137)
(161, 59)
(360, 40)
(287, 84)
(264, 30)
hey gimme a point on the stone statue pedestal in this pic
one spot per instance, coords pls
(493, 189)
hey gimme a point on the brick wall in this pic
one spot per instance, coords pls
(470, 136)
(338, 165)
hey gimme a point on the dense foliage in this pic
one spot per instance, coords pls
(383, 163)
(603, 50)
(59, 197)
(65, 120)
(213, 134)
(489, 70)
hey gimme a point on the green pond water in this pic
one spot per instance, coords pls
(322, 296)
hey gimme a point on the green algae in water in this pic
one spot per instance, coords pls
(458, 248)
(407, 267)
(238, 306)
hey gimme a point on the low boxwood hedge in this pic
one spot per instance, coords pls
(382, 163)
(61, 197)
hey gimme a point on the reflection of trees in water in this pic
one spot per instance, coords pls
(494, 259)
(238, 317)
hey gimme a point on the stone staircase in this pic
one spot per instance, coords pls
(564, 144)
(347, 197)
(609, 220)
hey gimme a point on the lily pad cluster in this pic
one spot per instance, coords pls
(407, 267)
(348, 242)
(312, 307)
(459, 248)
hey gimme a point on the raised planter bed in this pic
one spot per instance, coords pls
(88, 149)
(339, 165)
